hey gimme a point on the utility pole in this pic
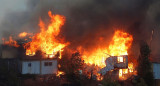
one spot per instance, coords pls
(151, 37)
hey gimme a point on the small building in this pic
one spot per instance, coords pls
(156, 71)
(15, 58)
(42, 66)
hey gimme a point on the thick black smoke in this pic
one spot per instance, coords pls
(90, 21)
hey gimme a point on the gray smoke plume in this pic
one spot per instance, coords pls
(89, 22)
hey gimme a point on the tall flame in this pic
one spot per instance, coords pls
(46, 40)
(119, 45)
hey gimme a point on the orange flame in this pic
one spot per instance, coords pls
(46, 40)
(11, 42)
(119, 45)
(59, 73)
(130, 67)
(125, 73)
(99, 77)
(23, 34)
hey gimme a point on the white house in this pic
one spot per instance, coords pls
(156, 70)
(39, 66)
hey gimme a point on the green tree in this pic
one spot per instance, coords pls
(144, 65)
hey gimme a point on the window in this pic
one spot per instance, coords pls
(47, 63)
(120, 59)
(50, 63)
(29, 64)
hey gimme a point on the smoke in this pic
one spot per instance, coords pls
(89, 22)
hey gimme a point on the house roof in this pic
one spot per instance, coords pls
(37, 57)
(155, 59)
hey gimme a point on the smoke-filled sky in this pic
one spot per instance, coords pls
(86, 20)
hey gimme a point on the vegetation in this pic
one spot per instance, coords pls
(144, 65)
(110, 82)
(72, 67)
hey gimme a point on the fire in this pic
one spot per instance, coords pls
(46, 40)
(120, 59)
(119, 45)
(130, 67)
(97, 58)
(11, 42)
(120, 73)
(23, 34)
(59, 73)
(99, 77)
(125, 73)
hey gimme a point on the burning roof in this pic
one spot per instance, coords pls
(46, 40)
(119, 45)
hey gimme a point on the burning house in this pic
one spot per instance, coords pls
(28, 64)
(105, 34)
(44, 62)
(113, 62)
(105, 58)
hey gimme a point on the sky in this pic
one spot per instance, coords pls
(7, 6)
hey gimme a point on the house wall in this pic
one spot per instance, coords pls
(33, 69)
(39, 67)
(156, 70)
(49, 69)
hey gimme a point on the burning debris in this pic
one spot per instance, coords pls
(59, 73)
(11, 42)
